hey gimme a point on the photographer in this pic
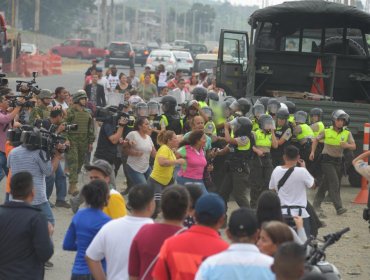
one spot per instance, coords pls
(109, 136)
(54, 125)
(7, 116)
(290, 181)
(32, 158)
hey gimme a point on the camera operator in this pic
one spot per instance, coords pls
(7, 116)
(109, 136)
(55, 124)
(31, 158)
(42, 110)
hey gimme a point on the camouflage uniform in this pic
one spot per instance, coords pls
(41, 112)
(79, 142)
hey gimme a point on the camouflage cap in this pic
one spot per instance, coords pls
(79, 95)
(45, 93)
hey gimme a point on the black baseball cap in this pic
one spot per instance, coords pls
(243, 222)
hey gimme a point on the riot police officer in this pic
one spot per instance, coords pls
(257, 110)
(200, 94)
(237, 168)
(291, 108)
(81, 140)
(154, 120)
(272, 107)
(261, 164)
(240, 107)
(283, 135)
(170, 119)
(336, 139)
(302, 135)
(316, 123)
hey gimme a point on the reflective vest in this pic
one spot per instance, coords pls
(291, 119)
(255, 124)
(210, 128)
(202, 104)
(245, 147)
(174, 124)
(334, 138)
(263, 139)
(305, 133)
(321, 129)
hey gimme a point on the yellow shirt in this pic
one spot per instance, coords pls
(152, 78)
(163, 174)
(116, 207)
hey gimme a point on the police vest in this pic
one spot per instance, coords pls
(245, 147)
(263, 139)
(171, 123)
(291, 118)
(334, 138)
(255, 124)
(210, 128)
(202, 104)
(321, 128)
(305, 133)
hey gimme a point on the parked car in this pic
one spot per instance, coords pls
(164, 57)
(30, 49)
(142, 52)
(196, 49)
(179, 44)
(184, 61)
(120, 53)
(78, 48)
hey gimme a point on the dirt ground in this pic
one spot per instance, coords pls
(350, 254)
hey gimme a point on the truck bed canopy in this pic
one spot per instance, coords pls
(312, 14)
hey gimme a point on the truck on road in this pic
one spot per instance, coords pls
(79, 48)
(313, 53)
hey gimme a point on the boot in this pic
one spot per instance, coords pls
(72, 189)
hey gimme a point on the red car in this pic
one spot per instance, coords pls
(79, 48)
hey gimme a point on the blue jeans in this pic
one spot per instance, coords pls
(183, 180)
(60, 180)
(137, 178)
(46, 211)
(3, 166)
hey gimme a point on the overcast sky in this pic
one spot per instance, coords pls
(257, 2)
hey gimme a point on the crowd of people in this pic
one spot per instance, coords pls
(185, 147)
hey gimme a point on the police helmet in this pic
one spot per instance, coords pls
(141, 109)
(153, 108)
(200, 94)
(266, 122)
(264, 100)
(169, 104)
(45, 93)
(291, 106)
(213, 96)
(230, 99)
(258, 109)
(316, 112)
(80, 94)
(242, 126)
(273, 106)
(340, 114)
(282, 114)
(242, 105)
(300, 117)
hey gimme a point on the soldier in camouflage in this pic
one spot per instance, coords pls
(81, 140)
(42, 110)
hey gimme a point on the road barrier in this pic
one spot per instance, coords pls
(362, 196)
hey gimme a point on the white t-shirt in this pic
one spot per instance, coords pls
(113, 243)
(162, 79)
(135, 82)
(104, 82)
(113, 82)
(64, 104)
(293, 192)
(140, 164)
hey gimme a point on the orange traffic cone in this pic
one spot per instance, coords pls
(318, 82)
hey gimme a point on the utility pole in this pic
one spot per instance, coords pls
(175, 25)
(37, 15)
(184, 29)
(193, 28)
(103, 23)
(124, 21)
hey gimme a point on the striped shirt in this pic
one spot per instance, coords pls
(240, 261)
(21, 159)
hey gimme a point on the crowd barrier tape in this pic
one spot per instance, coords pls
(362, 196)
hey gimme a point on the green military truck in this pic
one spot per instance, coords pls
(313, 53)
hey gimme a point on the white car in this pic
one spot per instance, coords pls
(184, 61)
(164, 57)
(27, 48)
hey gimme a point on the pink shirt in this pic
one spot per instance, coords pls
(5, 120)
(195, 163)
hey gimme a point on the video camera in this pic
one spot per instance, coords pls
(113, 114)
(28, 86)
(14, 102)
(3, 81)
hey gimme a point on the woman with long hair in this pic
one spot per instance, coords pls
(192, 150)
(139, 149)
(123, 84)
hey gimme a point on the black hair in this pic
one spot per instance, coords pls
(96, 194)
(206, 219)
(139, 122)
(178, 71)
(291, 152)
(56, 112)
(289, 260)
(268, 208)
(175, 203)
(140, 196)
(58, 90)
(21, 185)
(193, 138)
(245, 217)
(121, 75)
(195, 192)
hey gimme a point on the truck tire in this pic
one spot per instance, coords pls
(335, 45)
